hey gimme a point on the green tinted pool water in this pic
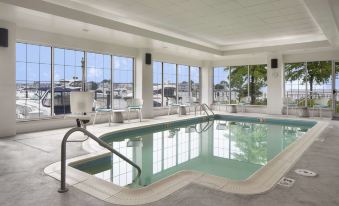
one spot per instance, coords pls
(229, 147)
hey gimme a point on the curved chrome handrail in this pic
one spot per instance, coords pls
(100, 142)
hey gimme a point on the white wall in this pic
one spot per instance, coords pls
(7, 83)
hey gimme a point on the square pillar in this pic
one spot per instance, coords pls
(207, 83)
(144, 83)
(7, 82)
(275, 84)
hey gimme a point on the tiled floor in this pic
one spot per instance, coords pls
(22, 181)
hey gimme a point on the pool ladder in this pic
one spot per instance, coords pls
(63, 188)
(205, 108)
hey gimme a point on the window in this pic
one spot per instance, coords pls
(305, 81)
(172, 83)
(123, 78)
(33, 81)
(221, 85)
(257, 84)
(99, 78)
(157, 84)
(69, 67)
(295, 84)
(240, 84)
(195, 83)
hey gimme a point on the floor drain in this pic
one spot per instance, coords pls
(306, 173)
(286, 182)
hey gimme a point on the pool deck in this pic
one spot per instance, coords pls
(23, 158)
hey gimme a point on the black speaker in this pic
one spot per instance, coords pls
(3, 37)
(274, 63)
(148, 58)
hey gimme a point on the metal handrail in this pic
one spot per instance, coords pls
(205, 128)
(204, 106)
(100, 142)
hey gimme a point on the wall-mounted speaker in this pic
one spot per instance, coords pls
(3, 37)
(274, 63)
(148, 58)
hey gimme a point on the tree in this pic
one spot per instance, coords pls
(238, 79)
(317, 72)
(257, 80)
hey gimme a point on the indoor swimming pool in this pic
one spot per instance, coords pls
(225, 146)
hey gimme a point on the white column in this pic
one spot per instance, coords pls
(275, 84)
(206, 83)
(7, 83)
(144, 83)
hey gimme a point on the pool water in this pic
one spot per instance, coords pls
(226, 146)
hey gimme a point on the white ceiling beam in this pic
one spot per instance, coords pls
(322, 13)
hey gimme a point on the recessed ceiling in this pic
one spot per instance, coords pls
(219, 22)
(200, 28)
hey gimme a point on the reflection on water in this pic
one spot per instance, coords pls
(232, 150)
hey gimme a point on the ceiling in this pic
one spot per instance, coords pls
(217, 22)
(196, 27)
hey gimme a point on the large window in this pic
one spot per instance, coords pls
(157, 84)
(72, 70)
(170, 83)
(99, 78)
(175, 83)
(240, 84)
(306, 81)
(68, 75)
(33, 81)
(195, 83)
(221, 85)
(123, 78)
(183, 84)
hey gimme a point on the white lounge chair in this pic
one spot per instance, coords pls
(320, 103)
(100, 110)
(135, 104)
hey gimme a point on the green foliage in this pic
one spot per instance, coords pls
(253, 79)
(251, 139)
(317, 72)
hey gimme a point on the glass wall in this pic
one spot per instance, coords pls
(72, 70)
(33, 81)
(175, 83)
(157, 84)
(221, 85)
(236, 84)
(257, 84)
(99, 78)
(169, 83)
(305, 81)
(68, 71)
(239, 83)
(123, 78)
(195, 83)
(183, 84)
